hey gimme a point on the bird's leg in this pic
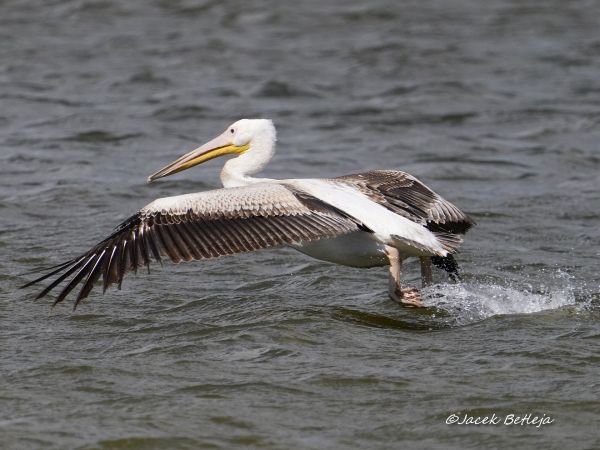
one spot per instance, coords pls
(426, 277)
(409, 297)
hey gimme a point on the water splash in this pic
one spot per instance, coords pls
(474, 301)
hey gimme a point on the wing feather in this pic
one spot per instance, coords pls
(109, 269)
(200, 226)
(92, 277)
(407, 196)
(76, 279)
(123, 260)
(144, 248)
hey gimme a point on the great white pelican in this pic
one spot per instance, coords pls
(369, 219)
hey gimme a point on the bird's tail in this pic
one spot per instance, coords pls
(447, 263)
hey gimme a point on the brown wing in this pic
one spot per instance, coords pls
(405, 195)
(200, 226)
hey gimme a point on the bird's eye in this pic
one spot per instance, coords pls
(232, 131)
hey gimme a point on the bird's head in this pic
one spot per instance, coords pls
(251, 139)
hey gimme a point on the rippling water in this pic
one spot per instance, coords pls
(497, 106)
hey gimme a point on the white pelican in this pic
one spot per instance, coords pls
(368, 219)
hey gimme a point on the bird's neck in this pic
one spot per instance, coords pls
(238, 171)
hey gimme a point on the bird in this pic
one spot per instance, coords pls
(370, 219)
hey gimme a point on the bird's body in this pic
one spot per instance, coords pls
(357, 249)
(368, 219)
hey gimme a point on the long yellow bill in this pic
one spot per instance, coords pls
(219, 146)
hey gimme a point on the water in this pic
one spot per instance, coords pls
(497, 106)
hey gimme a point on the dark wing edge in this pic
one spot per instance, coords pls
(449, 264)
(407, 196)
(148, 236)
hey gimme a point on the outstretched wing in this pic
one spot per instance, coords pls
(407, 196)
(200, 226)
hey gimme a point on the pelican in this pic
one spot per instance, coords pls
(370, 219)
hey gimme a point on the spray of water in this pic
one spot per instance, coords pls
(473, 301)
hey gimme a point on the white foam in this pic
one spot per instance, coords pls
(472, 302)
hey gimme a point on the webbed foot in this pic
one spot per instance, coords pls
(408, 297)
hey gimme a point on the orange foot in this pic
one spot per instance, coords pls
(411, 297)
(408, 297)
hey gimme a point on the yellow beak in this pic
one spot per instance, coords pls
(219, 146)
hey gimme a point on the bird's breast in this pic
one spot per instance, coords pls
(357, 249)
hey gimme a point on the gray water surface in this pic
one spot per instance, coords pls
(496, 105)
